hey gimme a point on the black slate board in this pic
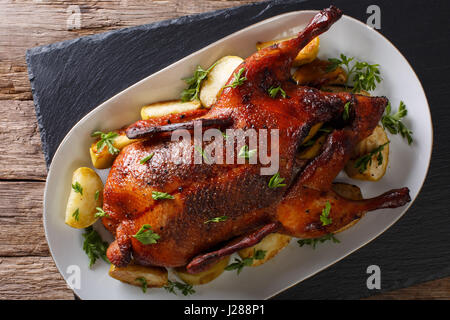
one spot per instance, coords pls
(72, 77)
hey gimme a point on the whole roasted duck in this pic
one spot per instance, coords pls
(238, 191)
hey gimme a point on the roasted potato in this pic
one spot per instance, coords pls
(377, 160)
(217, 77)
(313, 131)
(347, 191)
(315, 74)
(134, 274)
(159, 109)
(312, 151)
(104, 159)
(306, 55)
(204, 276)
(342, 88)
(85, 196)
(271, 244)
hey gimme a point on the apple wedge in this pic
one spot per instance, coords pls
(217, 78)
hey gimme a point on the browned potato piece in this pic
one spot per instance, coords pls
(160, 109)
(313, 150)
(342, 88)
(313, 131)
(104, 159)
(306, 55)
(348, 191)
(154, 276)
(204, 276)
(271, 244)
(82, 204)
(315, 74)
(375, 170)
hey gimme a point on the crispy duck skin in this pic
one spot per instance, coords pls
(239, 191)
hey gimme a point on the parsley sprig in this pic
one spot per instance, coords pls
(145, 235)
(273, 91)
(156, 195)
(393, 122)
(238, 79)
(106, 140)
(202, 153)
(77, 187)
(346, 114)
(217, 219)
(325, 216)
(246, 153)
(194, 82)
(366, 160)
(94, 246)
(365, 76)
(100, 213)
(146, 158)
(276, 181)
(313, 242)
(185, 288)
(143, 283)
(76, 214)
(240, 264)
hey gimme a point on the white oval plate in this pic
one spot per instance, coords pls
(407, 167)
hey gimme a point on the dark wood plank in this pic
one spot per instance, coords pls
(25, 24)
(20, 148)
(21, 229)
(26, 278)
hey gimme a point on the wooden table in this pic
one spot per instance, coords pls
(27, 270)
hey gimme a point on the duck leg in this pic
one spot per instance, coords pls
(303, 212)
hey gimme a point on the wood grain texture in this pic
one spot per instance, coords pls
(433, 290)
(31, 278)
(25, 24)
(26, 269)
(21, 229)
(20, 149)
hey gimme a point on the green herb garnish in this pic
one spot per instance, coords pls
(143, 283)
(76, 214)
(273, 91)
(202, 152)
(393, 122)
(366, 160)
(185, 288)
(325, 216)
(94, 246)
(146, 158)
(365, 75)
(145, 235)
(194, 82)
(346, 114)
(276, 181)
(77, 188)
(217, 219)
(106, 140)
(240, 264)
(156, 195)
(100, 213)
(97, 195)
(245, 153)
(315, 241)
(238, 79)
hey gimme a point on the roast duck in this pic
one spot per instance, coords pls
(239, 191)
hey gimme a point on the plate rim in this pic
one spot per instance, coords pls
(94, 110)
